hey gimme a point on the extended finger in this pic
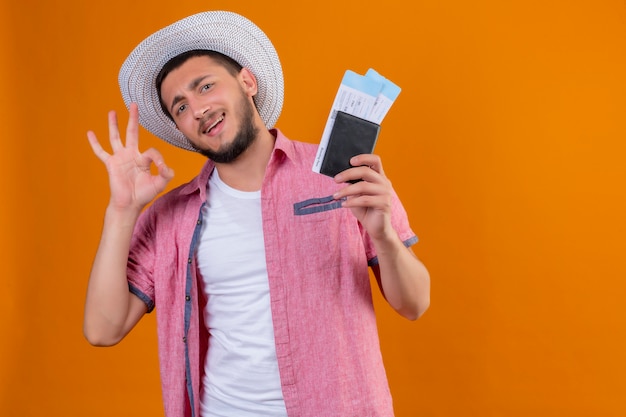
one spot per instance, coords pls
(132, 129)
(96, 147)
(114, 133)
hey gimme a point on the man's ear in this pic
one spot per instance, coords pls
(248, 82)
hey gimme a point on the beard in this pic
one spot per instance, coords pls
(245, 136)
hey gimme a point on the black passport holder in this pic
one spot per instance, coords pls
(350, 136)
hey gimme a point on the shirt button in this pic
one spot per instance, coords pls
(199, 221)
(184, 339)
(189, 260)
(187, 298)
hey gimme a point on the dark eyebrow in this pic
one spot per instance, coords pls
(192, 86)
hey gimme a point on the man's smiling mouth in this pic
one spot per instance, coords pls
(212, 125)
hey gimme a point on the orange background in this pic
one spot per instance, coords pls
(507, 146)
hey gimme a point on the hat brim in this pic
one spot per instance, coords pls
(228, 33)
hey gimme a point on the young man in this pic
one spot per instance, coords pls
(258, 267)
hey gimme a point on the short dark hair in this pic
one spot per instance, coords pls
(232, 66)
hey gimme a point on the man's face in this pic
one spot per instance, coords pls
(211, 107)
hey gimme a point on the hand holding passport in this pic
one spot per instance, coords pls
(354, 122)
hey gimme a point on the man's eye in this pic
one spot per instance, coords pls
(181, 108)
(206, 87)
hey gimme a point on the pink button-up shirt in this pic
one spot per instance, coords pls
(317, 261)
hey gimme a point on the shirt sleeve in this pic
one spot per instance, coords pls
(141, 259)
(400, 223)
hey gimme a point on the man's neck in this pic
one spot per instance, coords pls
(247, 172)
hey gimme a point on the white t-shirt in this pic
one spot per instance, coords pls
(241, 370)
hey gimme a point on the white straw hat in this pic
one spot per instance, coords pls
(228, 33)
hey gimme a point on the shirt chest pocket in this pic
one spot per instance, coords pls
(325, 233)
(315, 209)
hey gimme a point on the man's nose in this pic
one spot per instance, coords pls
(199, 109)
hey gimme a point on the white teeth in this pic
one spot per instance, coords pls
(214, 124)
